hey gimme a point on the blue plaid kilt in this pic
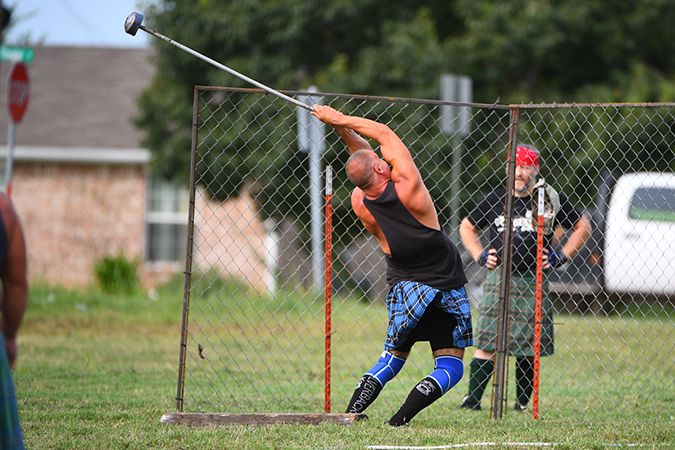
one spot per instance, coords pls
(10, 429)
(406, 303)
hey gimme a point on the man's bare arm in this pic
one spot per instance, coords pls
(470, 238)
(392, 148)
(582, 231)
(14, 278)
(353, 139)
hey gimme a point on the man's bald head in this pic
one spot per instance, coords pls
(360, 167)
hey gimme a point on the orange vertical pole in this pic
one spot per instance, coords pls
(328, 279)
(537, 306)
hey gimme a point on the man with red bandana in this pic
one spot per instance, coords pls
(489, 212)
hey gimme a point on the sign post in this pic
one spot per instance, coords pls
(455, 122)
(17, 101)
(311, 139)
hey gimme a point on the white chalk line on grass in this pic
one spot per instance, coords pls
(475, 444)
(493, 444)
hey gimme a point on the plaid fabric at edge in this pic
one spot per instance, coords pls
(10, 429)
(406, 303)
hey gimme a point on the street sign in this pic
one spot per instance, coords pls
(17, 101)
(17, 91)
(19, 54)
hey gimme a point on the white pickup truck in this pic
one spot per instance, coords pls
(632, 249)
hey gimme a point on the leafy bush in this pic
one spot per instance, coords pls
(117, 274)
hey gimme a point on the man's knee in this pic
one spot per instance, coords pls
(449, 351)
(386, 368)
(448, 371)
(482, 354)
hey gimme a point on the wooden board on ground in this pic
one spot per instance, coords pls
(207, 419)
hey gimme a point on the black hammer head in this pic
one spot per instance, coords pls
(133, 23)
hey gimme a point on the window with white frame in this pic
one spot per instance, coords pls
(166, 221)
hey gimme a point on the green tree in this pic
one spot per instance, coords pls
(519, 51)
(360, 47)
(571, 50)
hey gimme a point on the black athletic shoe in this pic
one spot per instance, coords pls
(470, 404)
(520, 408)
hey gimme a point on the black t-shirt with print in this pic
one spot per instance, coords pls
(490, 212)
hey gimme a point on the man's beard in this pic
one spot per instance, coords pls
(525, 187)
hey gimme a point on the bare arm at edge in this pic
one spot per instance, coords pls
(14, 278)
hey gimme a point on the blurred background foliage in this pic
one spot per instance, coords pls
(521, 51)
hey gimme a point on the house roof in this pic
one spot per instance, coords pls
(83, 97)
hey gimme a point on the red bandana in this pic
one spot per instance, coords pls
(526, 157)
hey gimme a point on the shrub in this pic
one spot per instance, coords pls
(117, 274)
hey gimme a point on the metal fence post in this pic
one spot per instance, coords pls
(501, 358)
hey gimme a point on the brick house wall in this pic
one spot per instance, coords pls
(231, 239)
(80, 178)
(73, 214)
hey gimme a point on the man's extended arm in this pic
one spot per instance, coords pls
(392, 148)
(404, 174)
(14, 279)
(353, 139)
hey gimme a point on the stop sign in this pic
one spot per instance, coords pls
(17, 91)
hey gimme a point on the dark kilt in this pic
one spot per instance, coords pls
(521, 330)
(10, 429)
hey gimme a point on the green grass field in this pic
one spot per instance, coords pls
(98, 372)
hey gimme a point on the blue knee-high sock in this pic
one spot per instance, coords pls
(448, 371)
(372, 383)
(386, 368)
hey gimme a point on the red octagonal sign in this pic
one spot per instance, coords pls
(17, 91)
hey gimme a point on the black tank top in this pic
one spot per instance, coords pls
(418, 253)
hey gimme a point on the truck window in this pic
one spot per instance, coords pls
(653, 203)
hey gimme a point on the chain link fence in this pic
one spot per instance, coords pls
(255, 334)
